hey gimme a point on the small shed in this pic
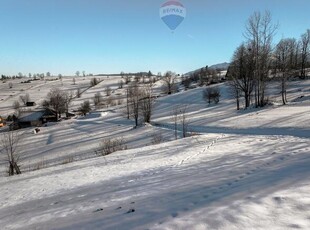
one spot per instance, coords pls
(30, 103)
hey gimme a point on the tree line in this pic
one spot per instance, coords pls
(257, 61)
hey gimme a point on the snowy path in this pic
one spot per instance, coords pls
(297, 132)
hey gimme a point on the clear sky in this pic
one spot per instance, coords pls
(110, 36)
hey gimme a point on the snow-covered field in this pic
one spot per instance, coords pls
(242, 170)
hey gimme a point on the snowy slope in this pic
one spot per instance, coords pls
(202, 182)
(246, 169)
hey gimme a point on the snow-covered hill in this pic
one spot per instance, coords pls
(245, 169)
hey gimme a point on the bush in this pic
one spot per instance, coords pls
(94, 81)
(157, 138)
(212, 94)
(85, 108)
(109, 145)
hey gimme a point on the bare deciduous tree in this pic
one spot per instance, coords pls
(134, 97)
(175, 117)
(146, 102)
(120, 84)
(97, 99)
(212, 94)
(184, 121)
(127, 79)
(284, 52)
(241, 71)
(235, 92)
(9, 143)
(304, 45)
(169, 80)
(108, 91)
(93, 82)
(78, 93)
(25, 98)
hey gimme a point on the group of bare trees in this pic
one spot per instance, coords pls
(170, 82)
(256, 61)
(252, 60)
(58, 100)
(139, 102)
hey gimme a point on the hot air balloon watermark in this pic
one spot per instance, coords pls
(172, 13)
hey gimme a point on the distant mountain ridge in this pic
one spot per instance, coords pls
(223, 66)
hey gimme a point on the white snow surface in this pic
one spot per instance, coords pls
(247, 169)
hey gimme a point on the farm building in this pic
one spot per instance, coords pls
(36, 118)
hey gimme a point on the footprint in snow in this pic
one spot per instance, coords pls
(194, 202)
(174, 215)
(98, 210)
(130, 211)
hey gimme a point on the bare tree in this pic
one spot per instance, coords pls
(235, 92)
(127, 79)
(25, 98)
(134, 97)
(241, 71)
(284, 52)
(78, 93)
(73, 80)
(169, 80)
(108, 91)
(304, 44)
(97, 99)
(128, 102)
(212, 94)
(146, 102)
(120, 84)
(184, 121)
(77, 73)
(10, 85)
(175, 117)
(93, 82)
(9, 143)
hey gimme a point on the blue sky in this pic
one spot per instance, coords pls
(110, 36)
